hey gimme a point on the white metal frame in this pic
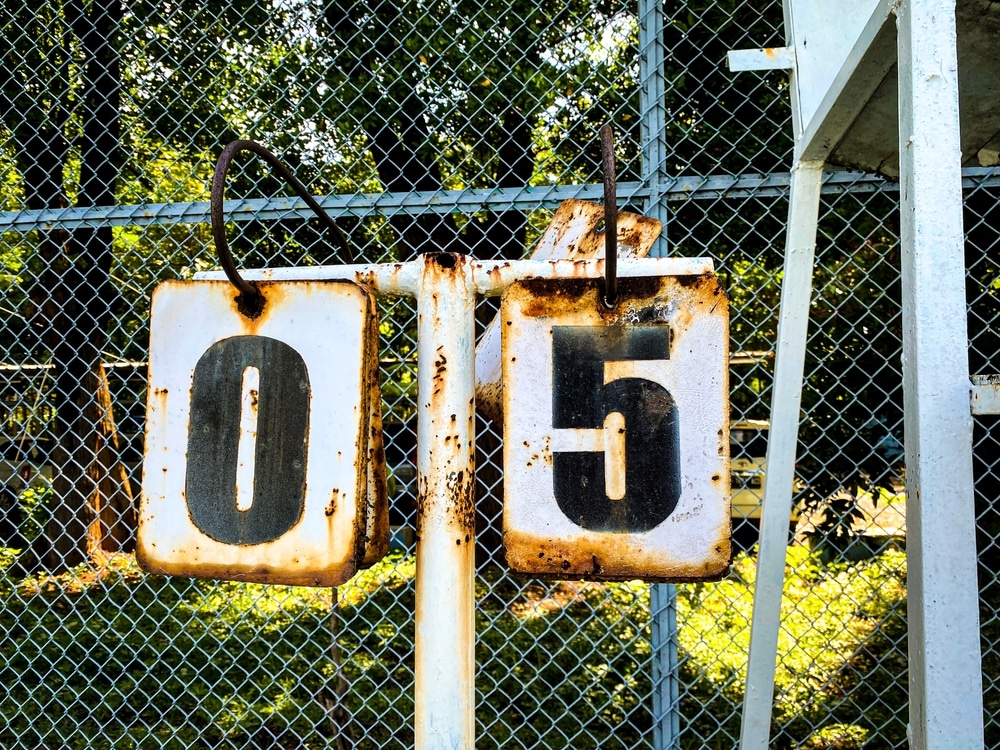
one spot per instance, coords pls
(445, 286)
(946, 707)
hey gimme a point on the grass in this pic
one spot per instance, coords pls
(107, 656)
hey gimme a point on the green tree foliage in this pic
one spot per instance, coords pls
(721, 122)
(841, 653)
(853, 399)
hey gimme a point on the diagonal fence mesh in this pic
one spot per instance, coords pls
(427, 125)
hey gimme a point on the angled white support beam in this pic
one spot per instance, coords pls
(871, 57)
(793, 325)
(946, 694)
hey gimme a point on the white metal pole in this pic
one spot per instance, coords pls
(793, 325)
(445, 624)
(946, 698)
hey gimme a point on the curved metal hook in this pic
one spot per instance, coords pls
(610, 298)
(219, 219)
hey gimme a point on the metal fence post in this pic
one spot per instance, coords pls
(652, 113)
(653, 116)
(666, 692)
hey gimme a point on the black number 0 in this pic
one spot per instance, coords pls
(582, 400)
(279, 481)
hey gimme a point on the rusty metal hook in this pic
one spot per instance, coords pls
(610, 296)
(253, 300)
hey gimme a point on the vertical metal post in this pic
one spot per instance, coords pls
(793, 325)
(946, 697)
(653, 116)
(666, 693)
(652, 113)
(445, 624)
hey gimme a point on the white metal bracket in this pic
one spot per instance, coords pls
(985, 397)
(766, 58)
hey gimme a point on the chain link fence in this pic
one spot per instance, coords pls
(427, 125)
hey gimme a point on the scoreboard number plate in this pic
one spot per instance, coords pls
(264, 459)
(616, 444)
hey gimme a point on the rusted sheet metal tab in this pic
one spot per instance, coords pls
(616, 445)
(575, 233)
(264, 457)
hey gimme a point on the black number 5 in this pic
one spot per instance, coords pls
(641, 489)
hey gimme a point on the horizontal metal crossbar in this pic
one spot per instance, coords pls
(449, 201)
(489, 278)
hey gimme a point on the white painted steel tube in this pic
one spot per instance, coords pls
(946, 698)
(402, 279)
(793, 326)
(445, 623)
(490, 277)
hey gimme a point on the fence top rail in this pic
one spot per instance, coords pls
(773, 185)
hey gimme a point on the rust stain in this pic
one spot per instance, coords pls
(669, 300)
(460, 487)
(611, 557)
(687, 514)
(495, 274)
(549, 297)
(158, 400)
(255, 573)
(423, 489)
(275, 294)
(376, 506)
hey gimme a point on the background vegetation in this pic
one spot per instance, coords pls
(130, 659)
